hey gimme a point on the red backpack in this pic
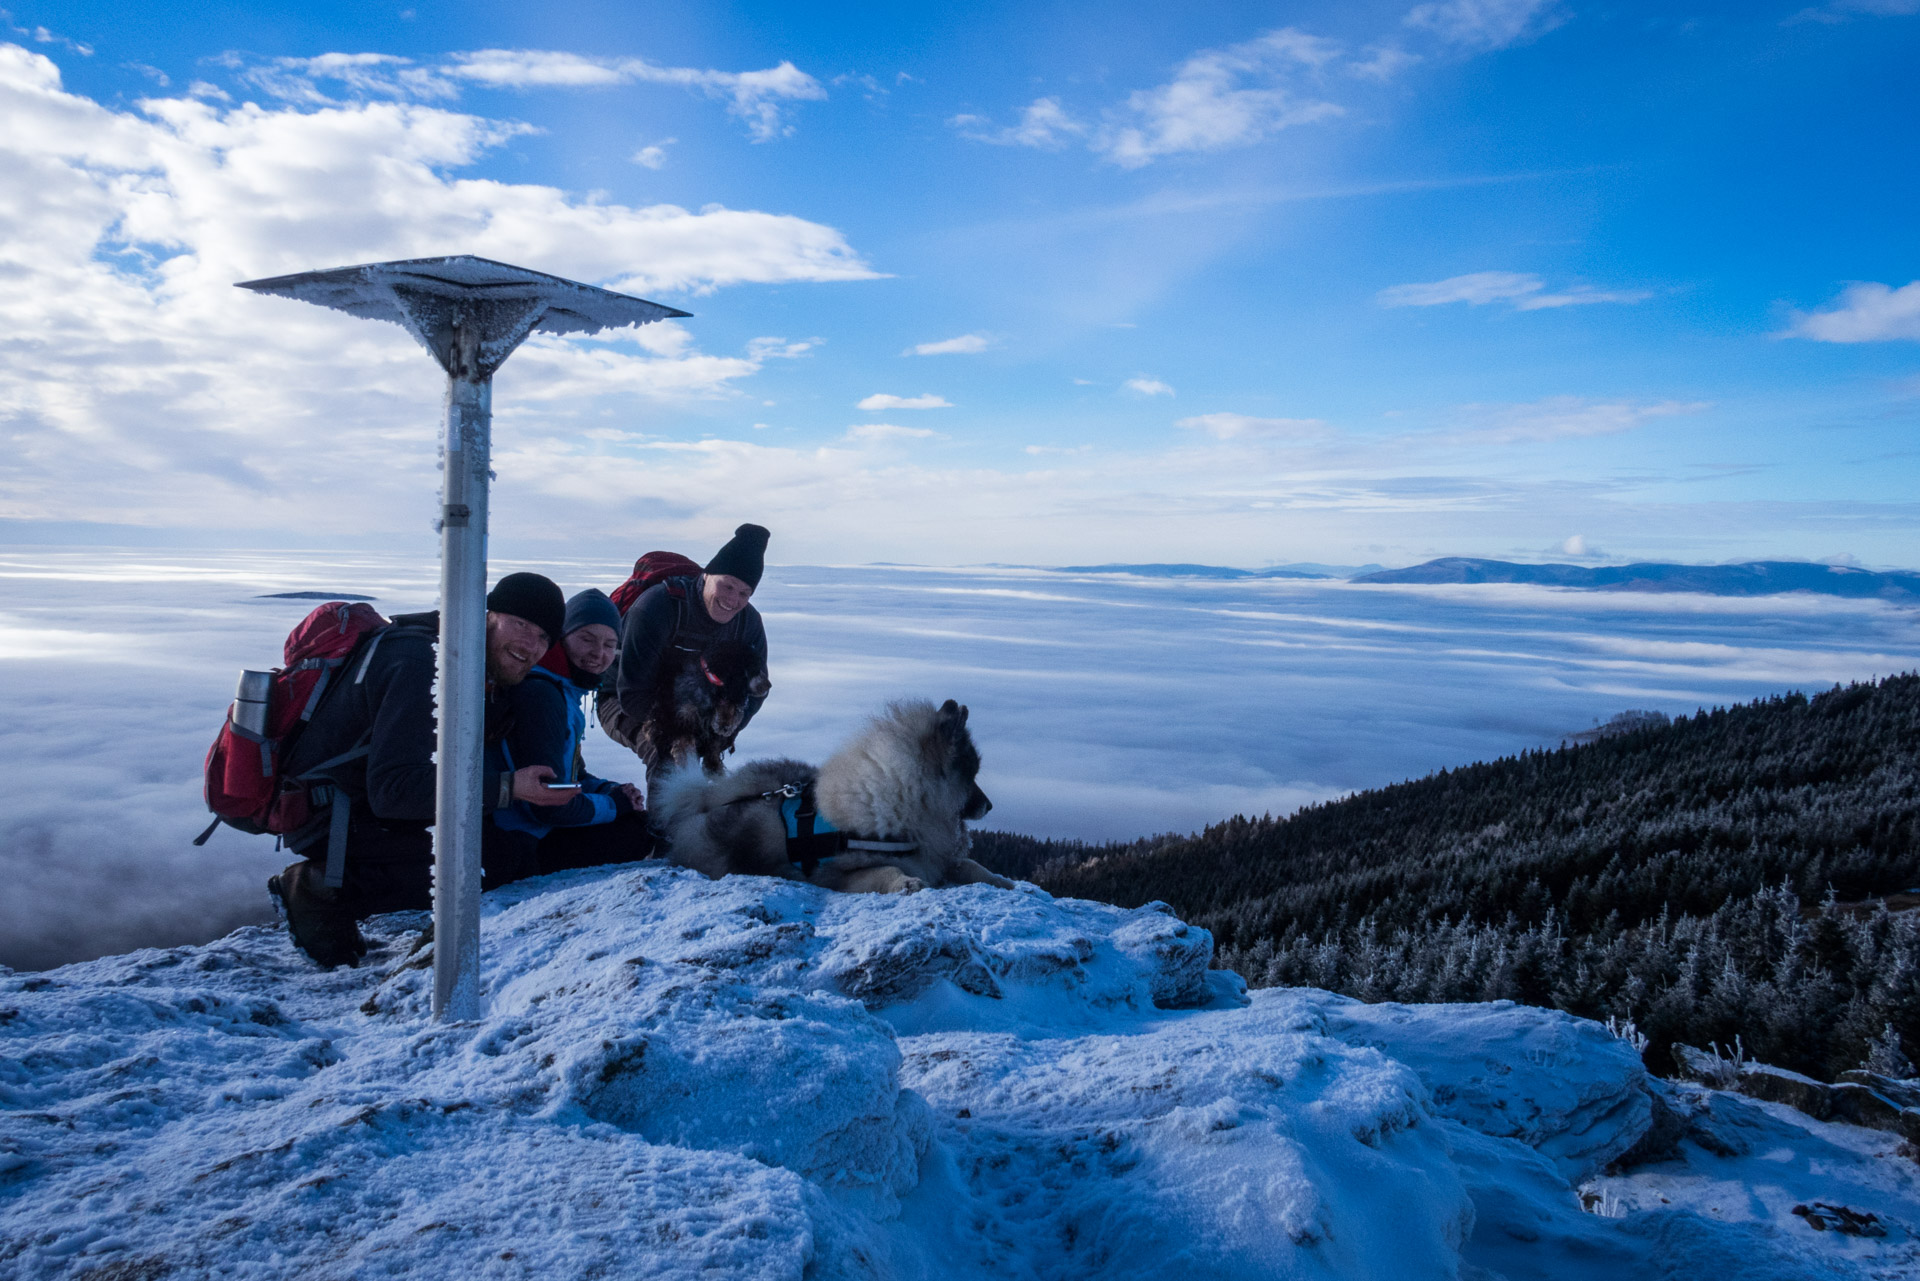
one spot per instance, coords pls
(245, 787)
(654, 567)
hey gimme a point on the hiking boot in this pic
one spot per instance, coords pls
(320, 923)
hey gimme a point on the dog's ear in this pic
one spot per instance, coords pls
(939, 741)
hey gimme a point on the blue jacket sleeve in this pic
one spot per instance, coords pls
(541, 736)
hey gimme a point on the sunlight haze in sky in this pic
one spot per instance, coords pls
(1046, 284)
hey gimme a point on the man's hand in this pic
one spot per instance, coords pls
(529, 785)
(635, 797)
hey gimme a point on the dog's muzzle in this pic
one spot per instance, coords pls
(977, 803)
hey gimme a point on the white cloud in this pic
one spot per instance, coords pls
(1242, 94)
(1525, 292)
(41, 35)
(758, 98)
(1217, 99)
(1044, 123)
(542, 69)
(139, 387)
(964, 345)
(874, 91)
(1866, 313)
(1038, 450)
(874, 433)
(1244, 427)
(778, 348)
(1222, 98)
(1840, 10)
(380, 74)
(1147, 387)
(1384, 63)
(1484, 24)
(1576, 545)
(653, 155)
(880, 400)
(1579, 296)
(1477, 288)
(755, 97)
(1565, 417)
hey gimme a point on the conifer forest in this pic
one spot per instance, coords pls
(1739, 873)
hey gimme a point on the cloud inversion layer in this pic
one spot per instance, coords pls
(1252, 688)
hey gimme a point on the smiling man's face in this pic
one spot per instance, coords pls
(514, 645)
(723, 595)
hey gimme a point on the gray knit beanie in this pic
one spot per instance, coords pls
(590, 607)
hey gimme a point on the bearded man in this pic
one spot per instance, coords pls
(377, 724)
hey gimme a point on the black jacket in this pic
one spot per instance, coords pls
(660, 620)
(383, 695)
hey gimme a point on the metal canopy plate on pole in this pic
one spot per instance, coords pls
(424, 295)
(470, 313)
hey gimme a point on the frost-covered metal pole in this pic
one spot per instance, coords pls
(470, 313)
(459, 809)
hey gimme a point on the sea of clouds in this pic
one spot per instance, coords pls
(1104, 706)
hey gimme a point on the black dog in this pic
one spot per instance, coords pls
(701, 703)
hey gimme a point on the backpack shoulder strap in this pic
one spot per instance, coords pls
(677, 593)
(360, 677)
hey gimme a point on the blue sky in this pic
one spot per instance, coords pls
(1242, 284)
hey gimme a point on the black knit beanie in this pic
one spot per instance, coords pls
(745, 555)
(534, 597)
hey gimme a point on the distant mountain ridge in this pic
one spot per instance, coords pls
(1183, 570)
(1749, 578)
(1753, 578)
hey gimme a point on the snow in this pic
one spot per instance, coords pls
(751, 1078)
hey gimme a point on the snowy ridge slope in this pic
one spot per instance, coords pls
(755, 1078)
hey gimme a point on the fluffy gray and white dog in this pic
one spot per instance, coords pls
(906, 779)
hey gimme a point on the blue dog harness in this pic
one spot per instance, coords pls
(812, 839)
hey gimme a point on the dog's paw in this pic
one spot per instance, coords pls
(910, 884)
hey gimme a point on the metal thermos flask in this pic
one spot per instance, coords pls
(250, 702)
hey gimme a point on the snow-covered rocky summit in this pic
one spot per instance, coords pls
(758, 1079)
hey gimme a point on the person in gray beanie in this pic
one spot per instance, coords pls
(688, 614)
(591, 608)
(604, 821)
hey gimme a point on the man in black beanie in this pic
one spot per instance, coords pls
(686, 614)
(526, 614)
(370, 744)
